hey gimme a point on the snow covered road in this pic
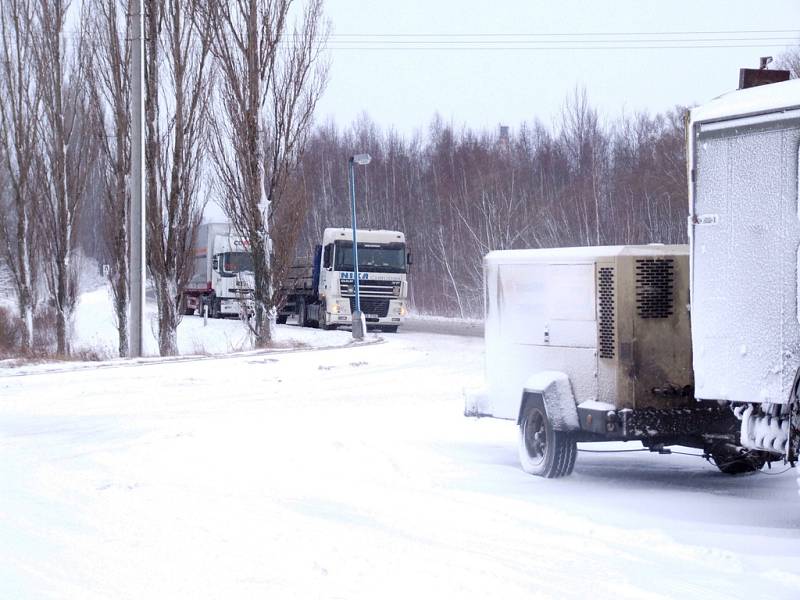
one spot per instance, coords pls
(350, 473)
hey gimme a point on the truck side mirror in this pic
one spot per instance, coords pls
(409, 262)
(215, 264)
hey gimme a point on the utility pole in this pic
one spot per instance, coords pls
(136, 226)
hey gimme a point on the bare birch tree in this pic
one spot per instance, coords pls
(179, 38)
(19, 104)
(271, 77)
(108, 74)
(66, 155)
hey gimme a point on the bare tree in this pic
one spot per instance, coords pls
(271, 79)
(790, 60)
(19, 104)
(66, 156)
(108, 75)
(179, 38)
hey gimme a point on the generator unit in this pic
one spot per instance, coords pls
(594, 344)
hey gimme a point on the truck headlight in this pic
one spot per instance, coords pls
(334, 308)
(401, 311)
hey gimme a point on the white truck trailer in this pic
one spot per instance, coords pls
(320, 290)
(222, 281)
(698, 345)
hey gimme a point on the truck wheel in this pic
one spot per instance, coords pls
(733, 462)
(184, 307)
(281, 319)
(323, 323)
(543, 451)
(215, 309)
(302, 313)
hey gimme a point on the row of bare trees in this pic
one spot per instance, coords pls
(230, 90)
(458, 193)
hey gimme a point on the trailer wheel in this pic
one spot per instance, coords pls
(733, 462)
(542, 450)
(183, 305)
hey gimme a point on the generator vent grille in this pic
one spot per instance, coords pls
(605, 287)
(654, 287)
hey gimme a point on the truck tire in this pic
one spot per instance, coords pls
(302, 313)
(733, 462)
(323, 323)
(214, 310)
(542, 450)
(281, 319)
(183, 306)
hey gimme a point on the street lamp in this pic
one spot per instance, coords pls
(359, 324)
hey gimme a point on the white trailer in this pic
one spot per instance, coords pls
(320, 290)
(222, 281)
(590, 344)
(744, 229)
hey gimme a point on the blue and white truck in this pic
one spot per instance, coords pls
(320, 291)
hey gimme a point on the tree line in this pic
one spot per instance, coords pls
(230, 94)
(458, 193)
(230, 91)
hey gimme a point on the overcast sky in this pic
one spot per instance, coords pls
(402, 61)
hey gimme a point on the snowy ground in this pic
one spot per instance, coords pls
(350, 473)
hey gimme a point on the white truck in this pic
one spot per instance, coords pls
(693, 345)
(320, 291)
(222, 281)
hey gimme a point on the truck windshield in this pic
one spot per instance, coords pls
(376, 258)
(236, 262)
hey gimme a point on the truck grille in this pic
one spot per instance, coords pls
(372, 306)
(654, 287)
(605, 289)
(374, 288)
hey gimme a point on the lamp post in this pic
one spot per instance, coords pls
(359, 324)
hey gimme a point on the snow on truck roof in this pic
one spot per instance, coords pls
(582, 253)
(364, 235)
(752, 101)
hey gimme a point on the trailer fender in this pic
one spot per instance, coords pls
(553, 389)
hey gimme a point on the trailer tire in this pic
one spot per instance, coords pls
(544, 451)
(732, 462)
(183, 306)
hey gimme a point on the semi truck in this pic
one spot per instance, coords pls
(222, 281)
(320, 290)
(695, 345)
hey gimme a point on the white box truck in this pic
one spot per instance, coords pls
(222, 280)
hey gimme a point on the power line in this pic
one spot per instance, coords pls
(637, 41)
(552, 48)
(575, 34)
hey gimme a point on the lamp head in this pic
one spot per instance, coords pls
(361, 159)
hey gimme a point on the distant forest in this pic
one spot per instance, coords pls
(458, 193)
